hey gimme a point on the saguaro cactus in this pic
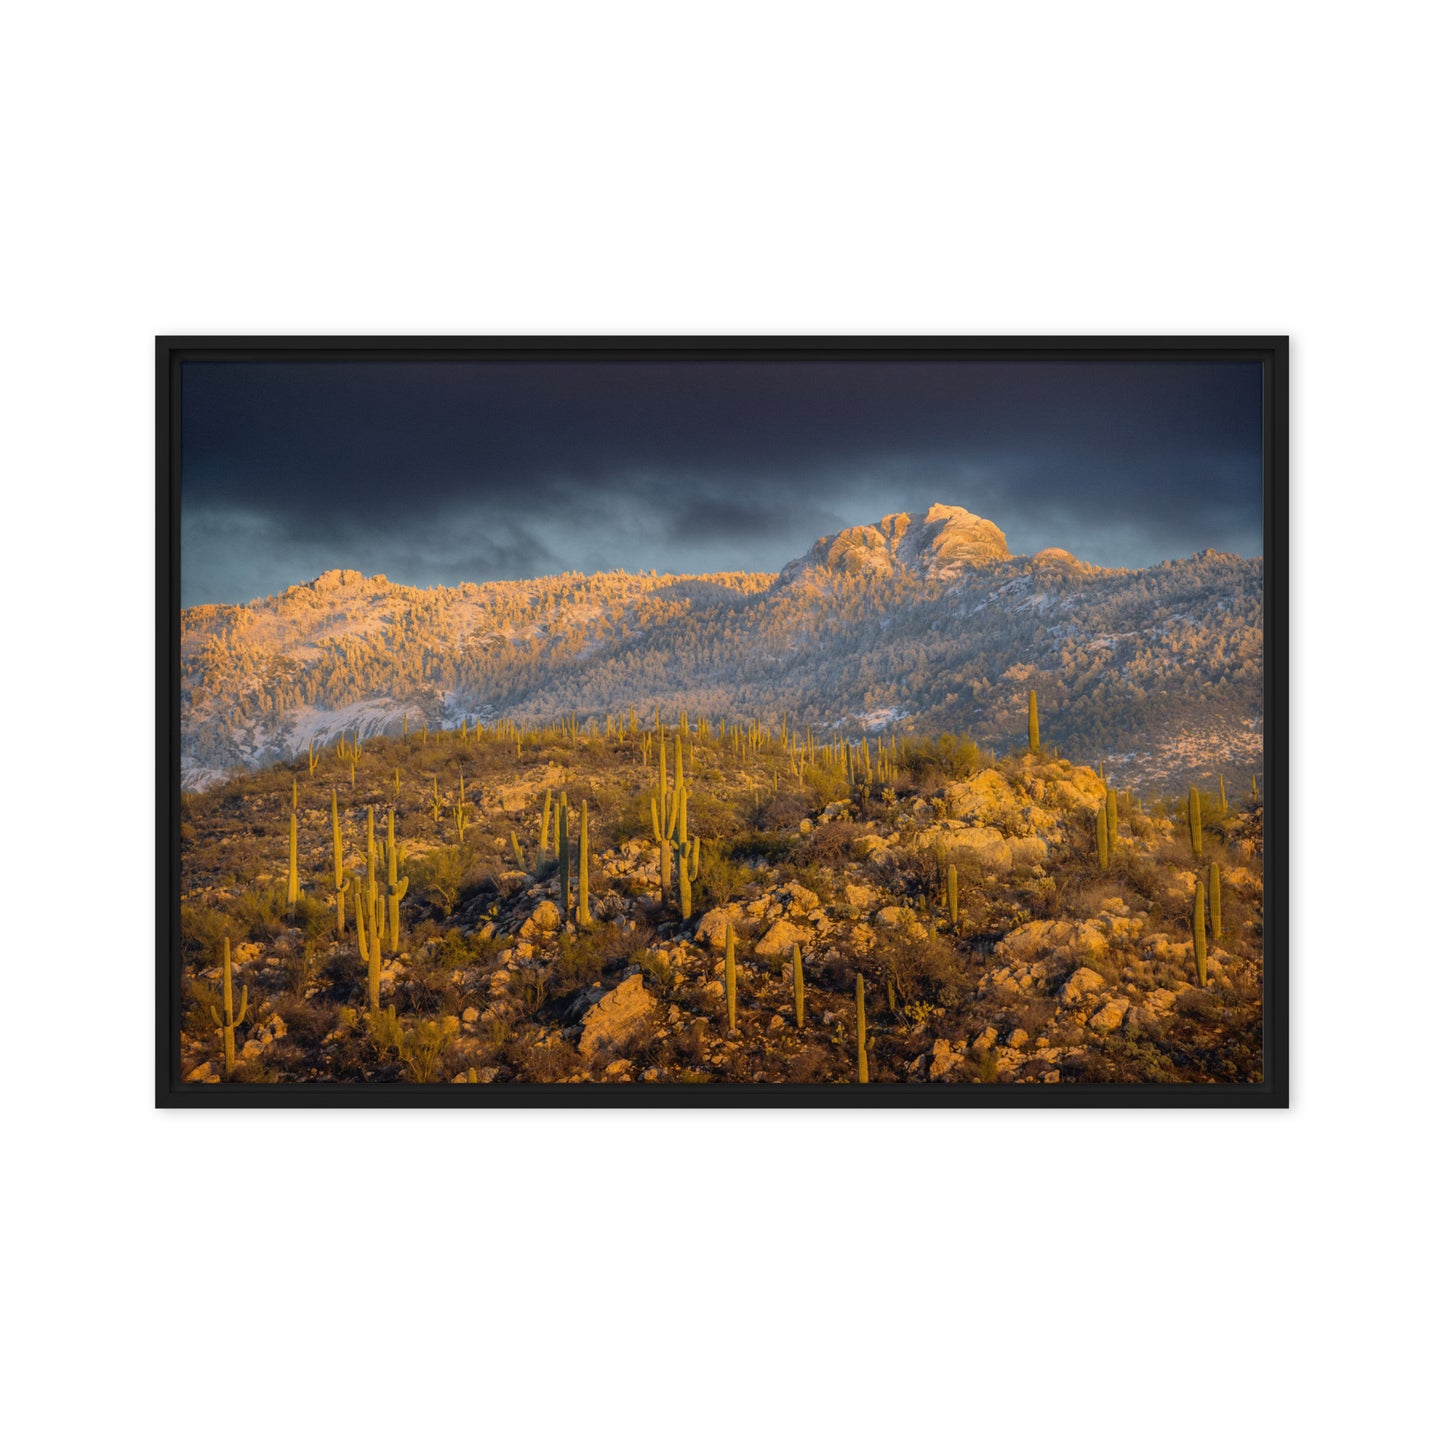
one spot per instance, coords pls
(1223, 797)
(544, 835)
(953, 895)
(730, 978)
(232, 1020)
(293, 887)
(370, 950)
(584, 909)
(862, 1036)
(395, 888)
(1196, 824)
(1111, 803)
(1101, 835)
(1033, 721)
(798, 984)
(1216, 911)
(1201, 957)
(341, 881)
(689, 861)
(564, 858)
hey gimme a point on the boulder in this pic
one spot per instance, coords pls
(1081, 982)
(545, 919)
(944, 1059)
(780, 938)
(712, 927)
(616, 1016)
(1110, 1015)
(795, 900)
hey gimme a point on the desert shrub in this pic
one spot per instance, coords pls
(584, 957)
(383, 1028)
(829, 845)
(543, 1059)
(200, 997)
(779, 811)
(437, 876)
(824, 785)
(721, 876)
(921, 969)
(422, 1045)
(202, 932)
(260, 909)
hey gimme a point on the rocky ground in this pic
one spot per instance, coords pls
(1056, 971)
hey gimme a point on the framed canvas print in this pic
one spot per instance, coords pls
(722, 721)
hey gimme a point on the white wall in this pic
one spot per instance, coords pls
(749, 167)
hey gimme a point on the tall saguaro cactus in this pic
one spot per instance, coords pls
(953, 894)
(1201, 956)
(862, 1035)
(1216, 910)
(395, 888)
(232, 1020)
(1111, 804)
(544, 834)
(1101, 835)
(339, 878)
(564, 858)
(293, 887)
(798, 984)
(1033, 721)
(730, 979)
(370, 950)
(1196, 824)
(584, 909)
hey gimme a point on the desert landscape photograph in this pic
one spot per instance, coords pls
(720, 721)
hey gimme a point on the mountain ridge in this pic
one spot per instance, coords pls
(919, 620)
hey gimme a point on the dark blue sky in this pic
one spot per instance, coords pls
(440, 472)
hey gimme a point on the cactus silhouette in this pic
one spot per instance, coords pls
(544, 834)
(798, 984)
(730, 975)
(232, 1020)
(1223, 797)
(1111, 803)
(1196, 824)
(1101, 835)
(862, 1035)
(1216, 911)
(953, 895)
(1201, 957)
(1033, 721)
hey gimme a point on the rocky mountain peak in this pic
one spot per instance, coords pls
(938, 544)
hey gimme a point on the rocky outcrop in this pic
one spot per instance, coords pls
(616, 1017)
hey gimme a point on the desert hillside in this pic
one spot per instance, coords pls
(701, 901)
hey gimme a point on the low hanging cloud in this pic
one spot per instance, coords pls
(434, 473)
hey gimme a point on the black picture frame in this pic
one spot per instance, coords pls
(1272, 1092)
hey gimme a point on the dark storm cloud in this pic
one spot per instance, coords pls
(435, 472)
